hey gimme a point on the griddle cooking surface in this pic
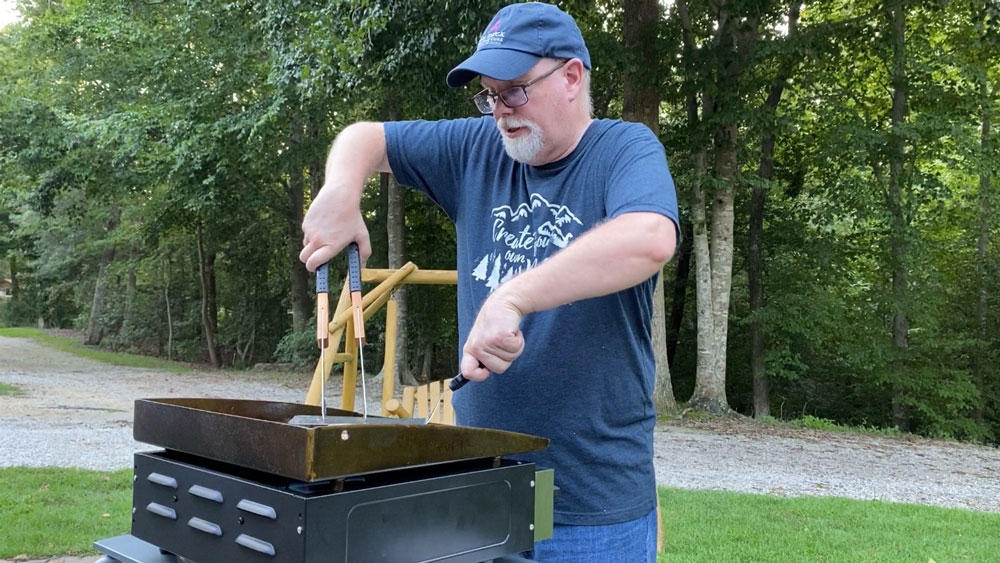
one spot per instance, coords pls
(257, 435)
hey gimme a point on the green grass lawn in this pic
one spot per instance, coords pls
(710, 526)
(72, 346)
(50, 511)
(6, 389)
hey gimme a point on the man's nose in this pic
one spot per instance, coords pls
(500, 110)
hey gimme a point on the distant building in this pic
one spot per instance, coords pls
(6, 288)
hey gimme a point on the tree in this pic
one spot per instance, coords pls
(716, 92)
(641, 103)
(755, 243)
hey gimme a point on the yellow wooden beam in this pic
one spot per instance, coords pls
(384, 288)
(350, 368)
(389, 360)
(395, 408)
(421, 277)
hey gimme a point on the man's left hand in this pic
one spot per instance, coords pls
(495, 340)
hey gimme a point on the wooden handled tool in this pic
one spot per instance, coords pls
(323, 326)
(354, 281)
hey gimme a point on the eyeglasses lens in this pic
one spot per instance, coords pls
(512, 97)
(483, 102)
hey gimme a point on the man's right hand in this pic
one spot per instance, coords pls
(334, 218)
(332, 222)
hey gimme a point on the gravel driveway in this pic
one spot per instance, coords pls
(77, 412)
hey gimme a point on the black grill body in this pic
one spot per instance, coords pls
(208, 512)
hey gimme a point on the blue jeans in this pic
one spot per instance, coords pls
(628, 542)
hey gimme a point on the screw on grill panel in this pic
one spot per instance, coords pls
(531, 527)
(299, 530)
(532, 483)
(344, 435)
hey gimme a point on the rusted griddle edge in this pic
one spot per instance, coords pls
(256, 435)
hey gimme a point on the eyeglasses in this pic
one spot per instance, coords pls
(515, 96)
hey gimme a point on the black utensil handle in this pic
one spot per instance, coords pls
(323, 278)
(457, 382)
(354, 266)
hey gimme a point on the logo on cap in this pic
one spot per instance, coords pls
(492, 37)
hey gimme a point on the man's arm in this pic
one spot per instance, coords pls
(616, 255)
(334, 217)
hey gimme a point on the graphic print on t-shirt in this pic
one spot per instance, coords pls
(522, 236)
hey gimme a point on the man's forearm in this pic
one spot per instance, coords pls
(616, 255)
(334, 217)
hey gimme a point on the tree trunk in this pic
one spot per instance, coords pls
(396, 245)
(897, 213)
(317, 165)
(713, 248)
(710, 392)
(170, 319)
(14, 289)
(699, 226)
(130, 292)
(209, 310)
(298, 275)
(641, 103)
(704, 372)
(95, 332)
(680, 290)
(428, 361)
(982, 249)
(755, 250)
(640, 94)
(755, 271)
(395, 227)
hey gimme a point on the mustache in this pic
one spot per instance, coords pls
(512, 122)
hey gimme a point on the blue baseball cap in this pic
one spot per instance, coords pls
(517, 38)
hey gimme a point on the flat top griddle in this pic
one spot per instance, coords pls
(257, 435)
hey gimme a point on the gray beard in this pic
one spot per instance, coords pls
(523, 149)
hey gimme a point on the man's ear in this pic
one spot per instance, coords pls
(573, 73)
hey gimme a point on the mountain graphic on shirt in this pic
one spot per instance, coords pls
(521, 234)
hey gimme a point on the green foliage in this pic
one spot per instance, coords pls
(814, 423)
(54, 511)
(297, 348)
(827, 425)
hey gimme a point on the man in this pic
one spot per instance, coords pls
(563, 223)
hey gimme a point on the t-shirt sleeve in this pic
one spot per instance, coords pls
(640, 179)
(431, 156)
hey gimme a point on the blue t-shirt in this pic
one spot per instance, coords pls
(585, 379)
